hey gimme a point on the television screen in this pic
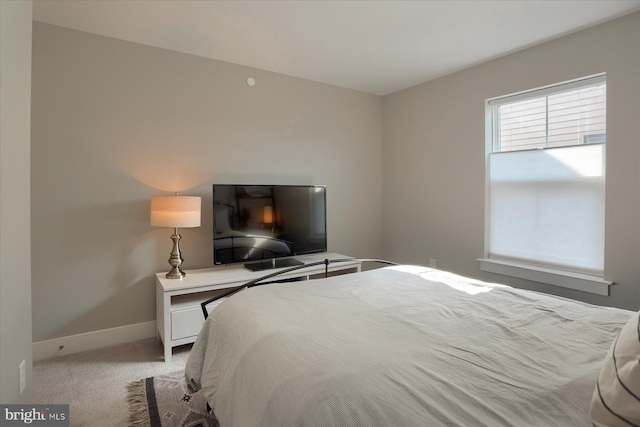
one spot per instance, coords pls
(264, 225)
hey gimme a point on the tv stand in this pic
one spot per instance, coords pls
(179, 314)
(273, 263)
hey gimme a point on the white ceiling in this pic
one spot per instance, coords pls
(377, 47)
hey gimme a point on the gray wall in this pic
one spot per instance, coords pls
(15, 245)
(114, 123)
(434, 151)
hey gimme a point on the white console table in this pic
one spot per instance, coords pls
(178, 310)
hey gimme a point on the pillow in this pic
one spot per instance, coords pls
(616, 399)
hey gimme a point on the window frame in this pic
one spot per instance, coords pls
(544, 274)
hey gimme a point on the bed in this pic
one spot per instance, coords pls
(401, 346)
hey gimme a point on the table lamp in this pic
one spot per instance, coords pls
(175, 212)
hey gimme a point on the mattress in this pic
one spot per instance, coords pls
(401, 346)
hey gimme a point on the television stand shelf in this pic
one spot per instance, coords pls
(178, 312)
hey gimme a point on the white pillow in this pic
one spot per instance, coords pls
(616, 399)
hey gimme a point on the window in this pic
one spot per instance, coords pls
(546, 185)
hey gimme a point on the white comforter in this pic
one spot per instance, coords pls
(400, 346)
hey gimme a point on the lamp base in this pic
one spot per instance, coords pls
(176, 258)
(175, 273)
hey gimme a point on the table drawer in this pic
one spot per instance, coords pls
(186, 312)
(186, 323)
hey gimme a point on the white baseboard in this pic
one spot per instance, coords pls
(93, 340)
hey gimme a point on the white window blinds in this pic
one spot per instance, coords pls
(546, 206)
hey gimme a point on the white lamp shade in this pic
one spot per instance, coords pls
(175, 211)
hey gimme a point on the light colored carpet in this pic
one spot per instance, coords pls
(94, 383)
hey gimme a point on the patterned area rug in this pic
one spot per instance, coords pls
(164, 401)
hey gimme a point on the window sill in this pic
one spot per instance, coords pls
(581, 282)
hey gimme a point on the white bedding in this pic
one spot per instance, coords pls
(401, 346)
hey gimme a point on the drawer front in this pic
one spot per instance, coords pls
(188, 322)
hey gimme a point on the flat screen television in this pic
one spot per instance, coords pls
(264, 226)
